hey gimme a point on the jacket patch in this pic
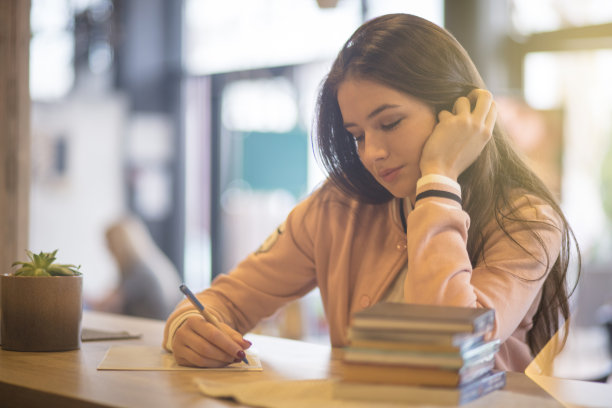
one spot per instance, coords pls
(271, 240)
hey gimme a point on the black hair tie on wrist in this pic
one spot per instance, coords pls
(438, 193)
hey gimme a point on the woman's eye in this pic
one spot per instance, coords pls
(391, 125)
(356, 137)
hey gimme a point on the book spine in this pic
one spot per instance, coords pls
(398, 375)
(403, 346)
(447, 327)
(476, 369)
(457, 340)
(483, 386)
(484, 349)
(446, 360)
(485, 322)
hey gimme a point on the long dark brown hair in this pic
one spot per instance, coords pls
(419, 58)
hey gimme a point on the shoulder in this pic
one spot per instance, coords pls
(324, 197)
(328, 206)
(528, 224)
(528, 207)
(329, 193)
(524, 238)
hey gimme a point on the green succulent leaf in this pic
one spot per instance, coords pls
(41, 272)
(62, 270)
(25, 271)
(41, 264)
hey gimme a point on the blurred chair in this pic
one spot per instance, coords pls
(148, 282)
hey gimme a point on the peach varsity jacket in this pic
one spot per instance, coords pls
(353, 251)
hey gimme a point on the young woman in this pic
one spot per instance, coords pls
(425, 202)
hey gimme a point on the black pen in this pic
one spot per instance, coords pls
(205, 313)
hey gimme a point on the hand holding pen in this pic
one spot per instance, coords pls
(207, 342)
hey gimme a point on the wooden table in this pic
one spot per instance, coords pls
(70, 379)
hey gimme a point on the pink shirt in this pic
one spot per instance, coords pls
(353, 251)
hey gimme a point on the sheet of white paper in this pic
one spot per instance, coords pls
(318, 393)
(151, 358)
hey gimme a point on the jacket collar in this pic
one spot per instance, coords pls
(394, 208)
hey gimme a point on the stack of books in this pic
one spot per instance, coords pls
(410, 353)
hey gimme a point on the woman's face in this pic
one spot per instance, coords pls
(390, 129)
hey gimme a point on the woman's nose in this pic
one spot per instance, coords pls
(374, 147)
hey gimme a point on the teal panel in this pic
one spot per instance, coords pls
(276, 161)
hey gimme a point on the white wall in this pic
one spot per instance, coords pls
(69, 211)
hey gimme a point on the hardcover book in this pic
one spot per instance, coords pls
(429, 318)
(399, 340)
(422, 358)
(421, 394)
(410, 375)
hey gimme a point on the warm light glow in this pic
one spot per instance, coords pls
(260, 106)
(233, 35)
(530, 16)
(542, 84)
(51, 70)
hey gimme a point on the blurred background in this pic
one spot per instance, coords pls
(185, 125)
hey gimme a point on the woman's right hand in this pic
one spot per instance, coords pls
(460, 136)
(198, 343)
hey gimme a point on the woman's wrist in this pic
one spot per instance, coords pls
(437, 179)
(427, 169)
(175, 324)
(440, 194)
(437, 185)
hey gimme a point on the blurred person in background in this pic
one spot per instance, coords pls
(148, 282)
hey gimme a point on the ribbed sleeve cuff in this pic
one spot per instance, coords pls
(438, 179)
(434, 186)
(175, 324)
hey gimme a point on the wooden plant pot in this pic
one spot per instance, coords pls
(41, 313)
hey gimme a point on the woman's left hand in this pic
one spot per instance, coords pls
(459, 137)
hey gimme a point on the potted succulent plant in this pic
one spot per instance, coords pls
(41, 305)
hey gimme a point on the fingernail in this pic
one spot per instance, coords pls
(241, 355)
(250, 344)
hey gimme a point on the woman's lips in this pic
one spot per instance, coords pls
(390, 174)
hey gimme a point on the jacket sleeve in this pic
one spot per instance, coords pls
(281, 270)
(507, 278)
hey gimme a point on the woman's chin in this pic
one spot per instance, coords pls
(401, 193)
(400, 190)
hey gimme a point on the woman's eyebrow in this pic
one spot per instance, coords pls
(374, 113)
(380, 109)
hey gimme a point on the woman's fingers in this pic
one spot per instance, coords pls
(198, 342)
(491, 118)
(191, 358)
(461, 106)
(444, 115)
(483, 112)
(220, 339)
(459, 137)
(211, 342)
(237, 337)
(482, 116)
(482, 100)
